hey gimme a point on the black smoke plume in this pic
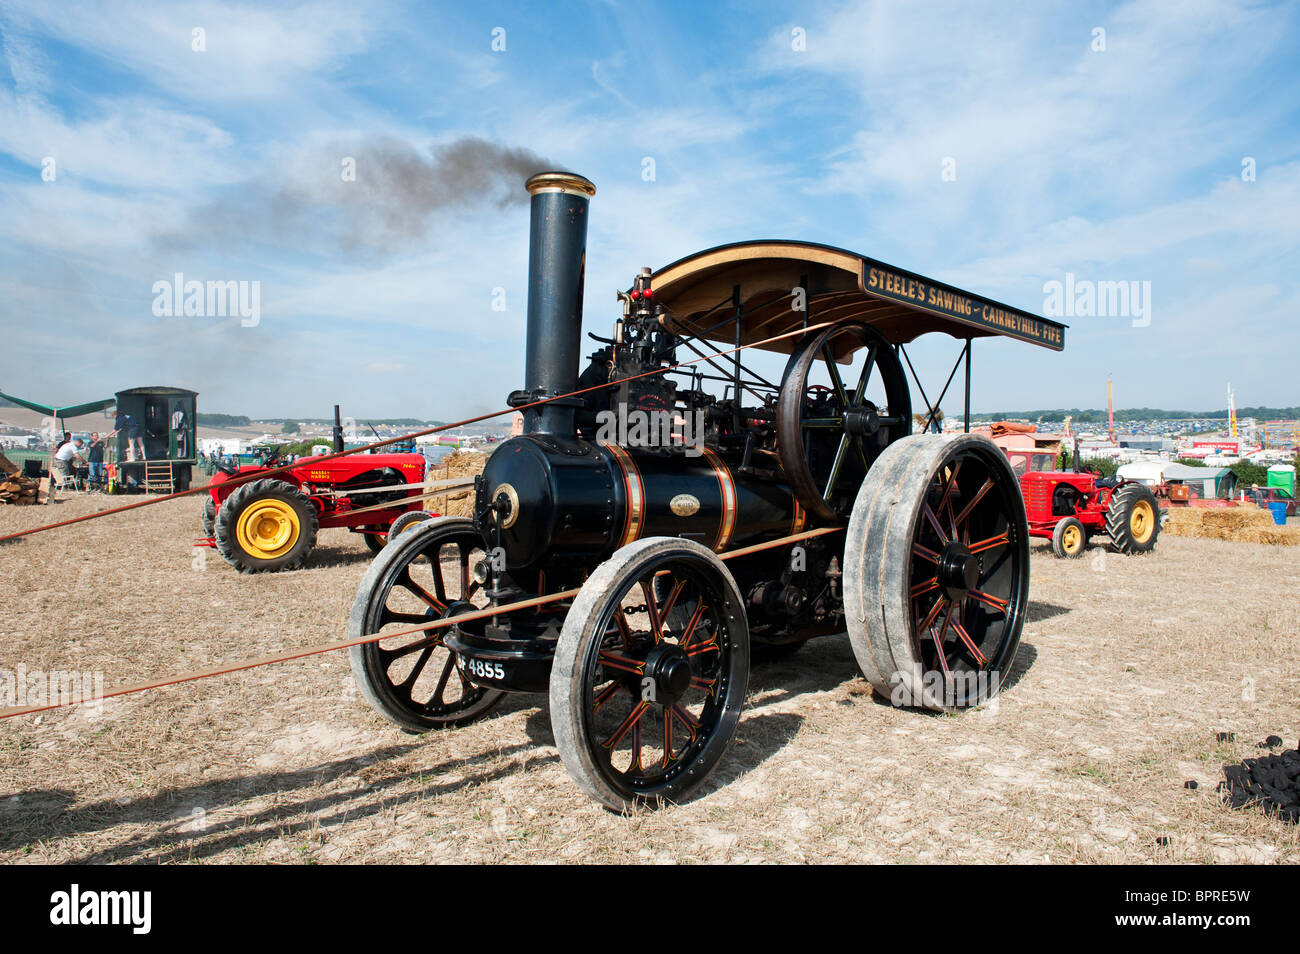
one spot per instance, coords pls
(374, 196)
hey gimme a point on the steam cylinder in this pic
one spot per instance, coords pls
(557, 259)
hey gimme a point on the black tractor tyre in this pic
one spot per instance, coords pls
(405, 522)
(209, 515)
(1069, 539)
(1133, 519)
(265, 526)
(375, 542)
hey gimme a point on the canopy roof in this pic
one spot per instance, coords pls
(1175, 471)
(901, 305)
(158, 389)
(72, 410)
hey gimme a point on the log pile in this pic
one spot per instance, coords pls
(17, 489)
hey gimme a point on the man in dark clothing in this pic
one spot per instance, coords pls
(95, 460)
(128, 425)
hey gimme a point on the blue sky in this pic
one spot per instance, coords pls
(1115, 164)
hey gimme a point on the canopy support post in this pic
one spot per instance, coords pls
(735, 368)
(966, 427)
(932, 417)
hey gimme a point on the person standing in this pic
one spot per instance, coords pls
(180, 427)
(134, 435)
(95, 460)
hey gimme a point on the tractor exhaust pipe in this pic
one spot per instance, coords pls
(557, 260)
(338, 431)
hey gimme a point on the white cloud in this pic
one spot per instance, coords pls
(131, 143)
(251, 52)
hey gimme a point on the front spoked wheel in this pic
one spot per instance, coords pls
(936, 571)
(424, 575)
(650, 673)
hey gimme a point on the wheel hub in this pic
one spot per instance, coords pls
(454, 608)
(670, 669)
(267, 528)
(862, 421)
(959, 570)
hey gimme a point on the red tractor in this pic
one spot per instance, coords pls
(1069, 508)
(271, 524)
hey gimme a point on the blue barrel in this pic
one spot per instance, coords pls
(1279, 512)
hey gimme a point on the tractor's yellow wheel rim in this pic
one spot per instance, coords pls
(1072, 539)
(267, 529)
(1142, 521)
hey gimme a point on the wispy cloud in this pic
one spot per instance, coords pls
(225, 163)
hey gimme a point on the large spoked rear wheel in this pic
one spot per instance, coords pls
(646, 689)
(936, 571)
(422, 576)
(834, 420)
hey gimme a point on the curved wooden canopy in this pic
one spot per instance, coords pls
(698, 293)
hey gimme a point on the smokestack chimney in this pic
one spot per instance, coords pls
(557, 261)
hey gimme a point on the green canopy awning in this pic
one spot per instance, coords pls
(73, 410)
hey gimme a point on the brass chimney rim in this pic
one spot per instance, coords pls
(567, 182)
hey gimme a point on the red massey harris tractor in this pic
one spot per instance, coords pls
(271, 524)
(1069, 508)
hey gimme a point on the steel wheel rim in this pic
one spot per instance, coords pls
(1141, 521)
(967, 519)
(641, 744)
(1071, 539)
(405, 661)
(267, 528)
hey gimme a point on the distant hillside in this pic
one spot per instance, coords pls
(377, 421)
(1097, 416)
(240, 420)
(222, 420)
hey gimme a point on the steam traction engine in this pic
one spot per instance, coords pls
(647, 538)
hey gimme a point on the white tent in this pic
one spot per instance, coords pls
(1149, 472)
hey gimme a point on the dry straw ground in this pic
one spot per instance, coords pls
(1128, 670)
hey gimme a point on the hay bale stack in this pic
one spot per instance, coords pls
(1240, 524)
(458, 503)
